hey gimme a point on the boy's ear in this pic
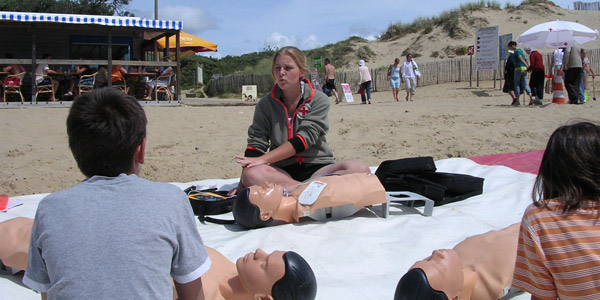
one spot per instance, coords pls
(140, 152)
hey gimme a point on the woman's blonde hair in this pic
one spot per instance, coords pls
(296, 54)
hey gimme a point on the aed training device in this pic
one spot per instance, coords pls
(210, 202)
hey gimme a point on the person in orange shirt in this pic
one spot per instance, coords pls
(559, 240)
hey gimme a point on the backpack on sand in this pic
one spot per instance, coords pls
(418, 175)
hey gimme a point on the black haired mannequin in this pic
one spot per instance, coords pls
(414, 285)
(299, 281)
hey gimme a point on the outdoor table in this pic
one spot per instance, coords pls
(139, 86)
(65, 82)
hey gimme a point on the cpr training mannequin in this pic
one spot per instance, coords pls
(257, 206)
(279, 275)
(479, 268)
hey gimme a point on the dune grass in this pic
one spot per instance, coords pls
(449, 21)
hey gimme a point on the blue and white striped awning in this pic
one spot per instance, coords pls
(90, 20)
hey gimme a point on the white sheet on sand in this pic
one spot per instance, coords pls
(363, 256)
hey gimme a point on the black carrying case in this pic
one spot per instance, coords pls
(418, 175)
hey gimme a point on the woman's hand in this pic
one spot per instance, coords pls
(248, 162)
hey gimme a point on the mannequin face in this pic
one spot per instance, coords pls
(267, 197)
(444, 272)
(286, 71)
(259, 271)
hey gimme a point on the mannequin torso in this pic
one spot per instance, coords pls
(15, 234)
(490, 259)
(358, 189)
(479, 268)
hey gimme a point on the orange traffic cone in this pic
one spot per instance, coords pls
(558, 97)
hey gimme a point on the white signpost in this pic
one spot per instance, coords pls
(487, 48)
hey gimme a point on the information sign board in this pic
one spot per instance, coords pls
(486, 48)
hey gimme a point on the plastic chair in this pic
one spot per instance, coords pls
(45, 88)
(120, 84)
(12, 85)
(86, 83)
(162, 84)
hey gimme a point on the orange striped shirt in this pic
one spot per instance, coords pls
(558, 255)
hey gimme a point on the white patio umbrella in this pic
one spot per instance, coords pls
(557, 34)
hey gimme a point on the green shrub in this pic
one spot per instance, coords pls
(364, 52)
(262, 67)
(532, 2)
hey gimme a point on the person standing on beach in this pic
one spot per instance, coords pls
(330, 79)
(409, 77)
(509, 78)
(557, 60)
(538, 75)
(520, 76)
(286, 140)
(393, 76)
(587, 69)
(364, 78)
(573, 68)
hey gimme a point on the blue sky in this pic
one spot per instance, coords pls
(245, 26)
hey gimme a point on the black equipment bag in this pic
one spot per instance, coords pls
(415, 184)
(210, 202)
(411, 165)
(418, 175)
(458, 186)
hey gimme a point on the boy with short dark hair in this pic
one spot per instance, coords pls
(114, 235)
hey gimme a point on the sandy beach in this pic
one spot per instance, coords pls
(192, 143)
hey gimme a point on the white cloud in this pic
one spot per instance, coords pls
(215, 55)
(278, 40)
(368, 32)
(195, 20)
(311, 42)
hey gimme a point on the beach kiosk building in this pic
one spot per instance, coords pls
(86, 40)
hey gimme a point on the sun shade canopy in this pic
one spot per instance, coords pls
(557, 34)
(89, 19)
(188, 42)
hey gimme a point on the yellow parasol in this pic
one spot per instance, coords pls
(188, 42)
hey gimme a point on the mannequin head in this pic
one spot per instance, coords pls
(414, 285)
(442, 274)
(254, 206)
(282, 275)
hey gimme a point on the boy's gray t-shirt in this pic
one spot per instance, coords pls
(114, 238)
